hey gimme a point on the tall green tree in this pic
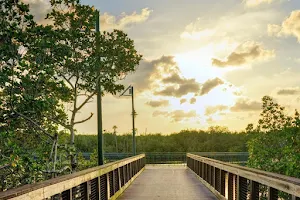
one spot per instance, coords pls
(87, 57)
(29, 95)
(277, 148)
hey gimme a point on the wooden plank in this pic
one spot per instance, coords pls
(283, 183)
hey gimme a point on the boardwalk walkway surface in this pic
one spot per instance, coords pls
(170, 182)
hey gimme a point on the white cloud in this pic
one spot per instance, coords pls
(109, 22)
(197, 35)
(289, 27)
(247, 52)
(254, 3)
(234, 26)
(39, 9)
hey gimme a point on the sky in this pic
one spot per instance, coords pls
(205, 62)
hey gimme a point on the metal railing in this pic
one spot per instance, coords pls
(178, 157)
(230, 181)
(240, 158)
(103, 182)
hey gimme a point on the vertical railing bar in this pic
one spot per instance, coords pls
(99, 187)
(119, 178)
(88, 190)
(230, 186)
(70, 192)
(107, 185)
(214, 177)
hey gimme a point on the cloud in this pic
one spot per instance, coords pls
(209, 85)
(174, 78)
(182, 86)
(244, 105)
(159, 103)
(148, 70)
(109, 22)
(189, 86)
(177, 115)
(193, 100)
(245, 53)
(195, 34)
(254, 3)
(288, 91)
(39, 9)
(289, 27)
(214, 109)
(182, 101)
(151, 75)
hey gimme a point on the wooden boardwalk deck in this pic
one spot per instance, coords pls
(171, 182)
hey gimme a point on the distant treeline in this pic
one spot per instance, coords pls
(216, 139)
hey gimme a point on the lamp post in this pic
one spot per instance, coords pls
(131, 93)
(133, 123)
(99, 98)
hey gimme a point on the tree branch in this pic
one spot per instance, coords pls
(86, 101)
(58, 122)
(79, 122)
(68, 80)
(34, 123)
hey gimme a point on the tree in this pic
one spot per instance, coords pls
(273, 116)
(250, 128)
(29, 95)
(277, 148)
(87, 57)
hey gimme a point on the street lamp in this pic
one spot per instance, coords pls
(130, 89)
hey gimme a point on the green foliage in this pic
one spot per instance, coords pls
(278, 148)
(29, 95)
(214, 140)
(42, 68)
(83, 58)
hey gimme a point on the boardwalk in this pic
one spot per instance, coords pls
(166, 183)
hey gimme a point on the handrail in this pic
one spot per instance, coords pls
(231, 181)
(107, 181)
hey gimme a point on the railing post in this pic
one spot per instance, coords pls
(254, 190)
(203, 170)
(235, 187)
(119, 178)
(99, 187)
(272, 193)
(88, 190)
(108, 185)
(200, 168)
(213, 177)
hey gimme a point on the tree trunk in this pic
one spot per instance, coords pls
(72, 142)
